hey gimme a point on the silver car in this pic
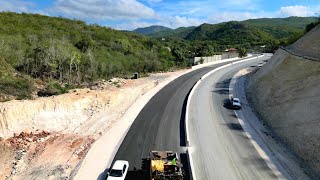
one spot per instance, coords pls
(236, 103)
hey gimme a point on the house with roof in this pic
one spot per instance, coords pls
(230, 53)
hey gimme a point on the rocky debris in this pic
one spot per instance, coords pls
(60, 172)
(104, 85)
(83, 149)
(21, 141)
(32, 152)
(7, 155)
(79, 116)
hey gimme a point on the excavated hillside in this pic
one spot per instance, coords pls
(286, 95)
(47, 138)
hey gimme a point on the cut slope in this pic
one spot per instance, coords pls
(285, 93)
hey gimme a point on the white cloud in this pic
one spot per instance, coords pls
(181, 21)
(188, 19)
(154, 1)
(167, 21)
(239, 4)
(301, 11)
(103, 9)
(131, 14)
(235, 16)
(133, 25)
(15, 6)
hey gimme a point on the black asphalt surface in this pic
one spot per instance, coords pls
(160, 125)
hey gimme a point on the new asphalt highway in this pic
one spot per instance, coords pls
(219, 146)
(160, 125)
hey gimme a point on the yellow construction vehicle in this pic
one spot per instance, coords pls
(163, 165)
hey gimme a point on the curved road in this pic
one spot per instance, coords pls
(219, 147)
(160, 125)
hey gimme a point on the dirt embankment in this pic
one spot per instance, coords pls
(286, 94)
(47, 138)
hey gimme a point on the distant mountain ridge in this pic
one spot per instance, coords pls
(181, 32)
(151, 30)
(248, 30)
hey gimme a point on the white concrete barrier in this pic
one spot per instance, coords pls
(217, 62)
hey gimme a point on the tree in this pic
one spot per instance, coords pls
(312, 25)
(74, 61)
(201, 60)
(242, 52)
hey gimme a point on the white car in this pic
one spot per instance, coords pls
(119, 170)
(236, 103)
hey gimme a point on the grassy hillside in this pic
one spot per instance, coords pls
(151, 30)
(62, 53)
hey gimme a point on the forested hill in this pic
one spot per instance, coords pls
(60, 53)
(250, 34)
(253, 31)
(151, 30)
(181, 32)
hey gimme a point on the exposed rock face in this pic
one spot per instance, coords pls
(48, 138)
(60, 113)
(286, 94)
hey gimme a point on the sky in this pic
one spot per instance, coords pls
(131, 14)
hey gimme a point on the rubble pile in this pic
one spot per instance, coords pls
(23, 140)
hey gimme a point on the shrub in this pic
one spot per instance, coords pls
(20, 87)
(201, 60)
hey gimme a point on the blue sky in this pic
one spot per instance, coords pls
(131, 14)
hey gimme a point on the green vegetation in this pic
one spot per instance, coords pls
(151, 30)
(12, 83)
(250, 34)
(201, 60)
(52, 55)
(63, 53)
(242, 52)
(312, 25)
(296, 36)
(181, 32)
(230, 33)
